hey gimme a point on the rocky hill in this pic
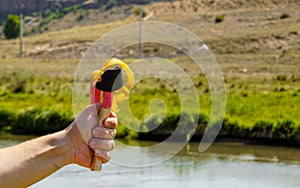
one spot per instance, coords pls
(30, 6)
(27, 7)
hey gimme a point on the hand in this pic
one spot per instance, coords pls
(87, 136)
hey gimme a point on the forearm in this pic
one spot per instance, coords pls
(29, 162)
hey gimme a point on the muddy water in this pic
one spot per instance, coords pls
(222, 165)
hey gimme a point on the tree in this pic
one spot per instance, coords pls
(11, 27)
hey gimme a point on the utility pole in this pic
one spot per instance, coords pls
(21, 35)
(141, 32)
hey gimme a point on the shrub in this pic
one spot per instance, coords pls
(219, 18)
(136, 11)
(262, 129)
(169, 124)
(15, 81)
(281, 78)
(40, 121)
(18, 81)
(6, 118)
(284, 16)
(25, 120)
(283, 129)
(49, 121)
(79, 18)
(230, 128)
(11, 27)
(47, 13)
(110, 4)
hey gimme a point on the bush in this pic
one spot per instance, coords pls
(40, 121)
(284, 16)
(110, 4)
(136, 11)
(15, 81)
(25, 120)
(58, 15)
(230, 128)
(79, 18)
(262, 129)
(6, 118)
(169, 124)
(18, 81)
(47, 13)
(11, 27)
(219, 18)
(284, 129)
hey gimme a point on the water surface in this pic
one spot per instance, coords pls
(222, 165)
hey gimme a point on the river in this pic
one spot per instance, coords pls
(222, 165)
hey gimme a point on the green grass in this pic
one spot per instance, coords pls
(273, 107)
(41, 89)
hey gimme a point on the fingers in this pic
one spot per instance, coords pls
(102, 148)
(110, 123)
(102, 144)
(104, 133)
(102, 137)
(104, 156)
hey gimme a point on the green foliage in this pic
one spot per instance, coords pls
(58, 14)
(70, 9)
(47, 13)
(136, 11)
(6, 118)
(36, 30)
(262, 129)
(219, 18)
(37, 120)
(284, 129)
(230, 128)
(184, 124)
(110, 4)
(11, 27)
(79, 18)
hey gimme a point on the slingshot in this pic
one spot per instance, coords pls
(108, 82)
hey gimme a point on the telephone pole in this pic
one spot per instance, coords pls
(141, 32)
(21, 35)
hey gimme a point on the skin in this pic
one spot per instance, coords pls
(29, 162)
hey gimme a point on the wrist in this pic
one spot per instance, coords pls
(79, 152)
(62, 142)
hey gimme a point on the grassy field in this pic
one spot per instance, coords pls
(257, 51)
(47, 84)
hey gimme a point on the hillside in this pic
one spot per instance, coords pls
(30, 7)
(268, 27)
(256, 37)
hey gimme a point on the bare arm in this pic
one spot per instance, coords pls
(29, 162)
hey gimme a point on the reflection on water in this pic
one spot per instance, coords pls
(7, 140)
(222, 165)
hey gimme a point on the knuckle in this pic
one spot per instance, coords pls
(114, 133)
(113, 144)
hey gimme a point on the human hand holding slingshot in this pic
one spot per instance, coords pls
(105, 82)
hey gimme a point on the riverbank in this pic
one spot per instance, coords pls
(282, 133)
(39, 121)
